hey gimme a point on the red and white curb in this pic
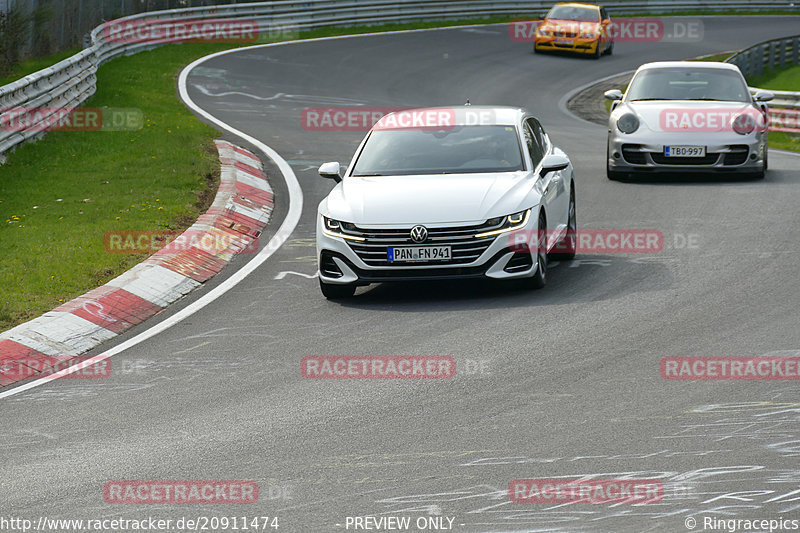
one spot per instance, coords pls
(240, 212)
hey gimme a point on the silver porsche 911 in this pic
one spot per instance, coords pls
(687, 117)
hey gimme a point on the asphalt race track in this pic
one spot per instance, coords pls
(557, 383)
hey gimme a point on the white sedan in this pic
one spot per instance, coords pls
(689, 117)
(447, 193)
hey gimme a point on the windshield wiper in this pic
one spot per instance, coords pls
(642, 99)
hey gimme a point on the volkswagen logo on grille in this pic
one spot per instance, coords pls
(419, 234)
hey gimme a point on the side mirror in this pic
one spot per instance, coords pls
(763, 96)
(330, 171)
(613, 94)
(552, 163)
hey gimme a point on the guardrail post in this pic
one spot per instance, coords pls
(796, 50)
(759, 65)
(771, 58)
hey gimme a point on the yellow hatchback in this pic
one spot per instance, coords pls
(573, 27)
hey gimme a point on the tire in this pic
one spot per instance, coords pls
(610, 50)
(613, 175)
(570, 242)
(337, 292)
(539, 279)
(598, 52)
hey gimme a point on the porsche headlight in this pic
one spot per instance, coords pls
(628, 123)
(744, 124)
(509, 223)
(334, 229)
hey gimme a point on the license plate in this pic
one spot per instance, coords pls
(420, 254)
(563, 41)
(684, 151)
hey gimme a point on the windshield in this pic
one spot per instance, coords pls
(462, 149)
(688, 84)
(573, 13)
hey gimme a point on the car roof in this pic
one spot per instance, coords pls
(577, 4)
(465, 115)
(694, 64)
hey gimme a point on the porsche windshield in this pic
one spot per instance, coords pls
(688, 84)
(457, 150)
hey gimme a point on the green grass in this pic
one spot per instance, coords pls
(60, 195)
(778, 79)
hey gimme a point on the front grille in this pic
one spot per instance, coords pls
(565, 34)
(464, 247)
(631, 154)
(737, 155)
(660, 159)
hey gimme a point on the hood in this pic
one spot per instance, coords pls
(428, 199)
(571, 26)
(687, 115)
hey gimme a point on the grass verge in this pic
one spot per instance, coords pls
(59, 196)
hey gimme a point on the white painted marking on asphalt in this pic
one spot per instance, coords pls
(285, 273)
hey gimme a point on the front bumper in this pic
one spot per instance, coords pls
(725, 153)
(503, 259)
(578, 46)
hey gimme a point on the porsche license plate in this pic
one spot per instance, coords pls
(684, 151)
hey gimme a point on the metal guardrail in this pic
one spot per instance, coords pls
(771, 54)
(70, 82)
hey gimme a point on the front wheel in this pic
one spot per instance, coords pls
(337, 292)
(567, 247)
(610, 50)
(539, 279)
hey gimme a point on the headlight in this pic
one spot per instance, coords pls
(628, 123)
(588, 35)
(332, 225)
(509, 223)
(543, 32)
(744, 124)
(334, 229)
